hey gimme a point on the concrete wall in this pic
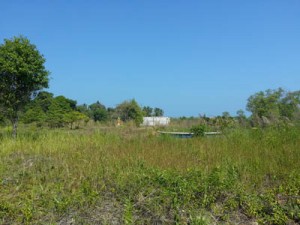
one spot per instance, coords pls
(156, 121)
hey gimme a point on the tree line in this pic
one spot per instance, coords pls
(46, 110)
(267, 108)
(23, 76)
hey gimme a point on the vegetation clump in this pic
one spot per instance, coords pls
(198, 131)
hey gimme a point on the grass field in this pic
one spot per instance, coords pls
(134, 176)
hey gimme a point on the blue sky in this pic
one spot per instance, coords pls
(186, 57)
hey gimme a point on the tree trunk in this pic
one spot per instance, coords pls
(15, 127)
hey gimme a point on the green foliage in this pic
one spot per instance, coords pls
(242, 119)
(200, 220)
(43, 100)
(73, 117)
(147, 110)
(128, 213)
(198, 130)
(2, 118)
(289, 105)
(56, 112)
(130, 110)
(158, 112)
(35, 114)
(265, 103)
(59, 108)
(274, 105)
(98, 112)
(37, 109)
(22, 74)
(241, 114)
(226, 114)
(84, 109)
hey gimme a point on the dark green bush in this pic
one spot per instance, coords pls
(198, 130)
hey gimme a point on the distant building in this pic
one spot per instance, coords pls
(156, 121)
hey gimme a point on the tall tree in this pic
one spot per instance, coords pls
(274, 104)
(147, 110)
(59, 108)
(130, 110)
(22, 75)
(290, 105)
(98, 111)
(44, 100)
(158, 112)
(84, 109)
(36, 110)
(226, 114)
(265, 103)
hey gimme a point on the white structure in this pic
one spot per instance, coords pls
(156, 121)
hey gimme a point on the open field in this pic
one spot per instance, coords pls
(134, 176)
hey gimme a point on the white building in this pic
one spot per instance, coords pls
(156, 121)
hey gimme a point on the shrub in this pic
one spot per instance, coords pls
(198, 130)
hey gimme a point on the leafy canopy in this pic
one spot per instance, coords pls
(22, 74)
(98, 112)
(130, 110)
(274, 103)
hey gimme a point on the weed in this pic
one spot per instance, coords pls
(128, 212)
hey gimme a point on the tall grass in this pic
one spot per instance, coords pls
(130, 176)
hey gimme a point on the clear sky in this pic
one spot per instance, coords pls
(186, 57)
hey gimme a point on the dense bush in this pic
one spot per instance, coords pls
(198, 131)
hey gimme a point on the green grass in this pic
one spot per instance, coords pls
(132, 176)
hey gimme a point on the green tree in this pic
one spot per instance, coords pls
(59, 108)
(289, 105)
(265, 103)
(147, 110)
(158, 112)
(44, 100)
(98, 112)
(22, 75)
(226, 114)
(274, 104)
(111, 112)
(130, 110)
(73, 117)
(34, 114)
(83, 109)
(36, 111)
